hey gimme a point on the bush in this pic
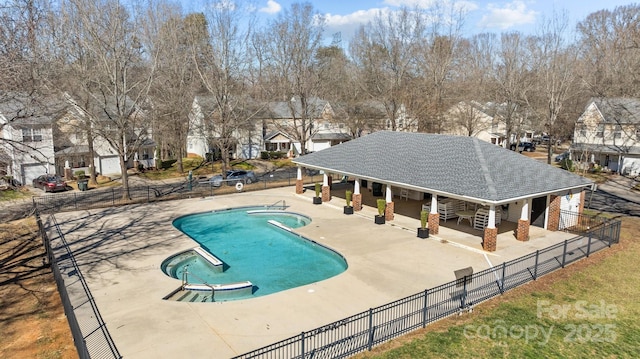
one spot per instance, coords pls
(80, 174)
(272, 155)
(567, 164)
(382, 204)
(347, 196)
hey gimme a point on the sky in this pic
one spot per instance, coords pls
(345, 16)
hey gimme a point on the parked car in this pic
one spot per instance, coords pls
(233, 177)
(50, 183)
(561, 157)
(524, 146)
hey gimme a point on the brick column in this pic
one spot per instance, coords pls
(299, 188)
(553, 222)
(357, 202)
(522, 232)
(68, 175)
(434, 223)
(490, 239)
(326, 194)
(388, 212)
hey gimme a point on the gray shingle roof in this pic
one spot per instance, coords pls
(619, 109)
(463, 167)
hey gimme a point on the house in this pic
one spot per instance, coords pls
(484, 121)
(274, 127)
(607, 134)
(72, 151)
(26, 136)
(454, 171)
(203, 131)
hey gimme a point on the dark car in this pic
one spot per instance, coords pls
(524, 146)
(563, 156)
(233, 177)
(50, 183)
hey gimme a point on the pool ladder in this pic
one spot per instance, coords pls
(185, 281)
(283, 206)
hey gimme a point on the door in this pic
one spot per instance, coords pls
(538, 207)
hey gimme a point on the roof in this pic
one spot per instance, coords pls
(282, 109)
(331, 136)
(453, 166)
(618, 109)
(29, 110)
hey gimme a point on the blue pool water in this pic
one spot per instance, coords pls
(253, 250)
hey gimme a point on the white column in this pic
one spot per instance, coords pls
(325, 180)
(299, 173)
(356, 186)
(524, 213)
(434, 203)
(389, 194)
(492, 216)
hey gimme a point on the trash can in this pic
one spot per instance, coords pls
(83, 184)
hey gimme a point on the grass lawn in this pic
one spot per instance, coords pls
(10, 194)
(589, 309)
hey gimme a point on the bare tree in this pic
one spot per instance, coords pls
(385, 51)
(609, 44)
(287, 55)
(176, 81)
(221, 63)
(511, 77)
(114, 95)
(554, 63)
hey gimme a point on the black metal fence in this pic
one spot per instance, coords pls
(339, 339)
(115, 196)
(367, 329)
(89, 331)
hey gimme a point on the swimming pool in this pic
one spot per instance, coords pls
(254, 245)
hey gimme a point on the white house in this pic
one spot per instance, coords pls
(608, 134)
(26, 138)
(273, 128)
(72, 151)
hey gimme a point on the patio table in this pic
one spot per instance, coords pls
(466, 215)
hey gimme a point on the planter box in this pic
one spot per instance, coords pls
(317, 200)
(379, 219)
(423, 232)
(348, 210)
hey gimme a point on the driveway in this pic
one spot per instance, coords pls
(616, 196)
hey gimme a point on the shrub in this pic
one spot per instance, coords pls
(567, 164)
(318, 189)
(382, 204)
(347, 196)
(79, 174)
(423, 219)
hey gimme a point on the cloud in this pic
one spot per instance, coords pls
(411, 3)
(348, 24)
(512, 14)
(271, 8)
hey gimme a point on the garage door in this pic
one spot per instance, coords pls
(109, 165)
(31, 172)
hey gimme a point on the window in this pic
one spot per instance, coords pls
(145, 154)
(31, 135)
(638, 134)
(617, 132)
(600, 130)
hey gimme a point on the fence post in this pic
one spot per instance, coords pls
(302, 345)
(535, 269)
(589, 244)
(75, 200)
(148, 195)
(463, 297)
(424, 309)
(370, 329)
(504, 267)
(564, 253)
(113, 197)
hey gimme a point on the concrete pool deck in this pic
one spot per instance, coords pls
(119, 251)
